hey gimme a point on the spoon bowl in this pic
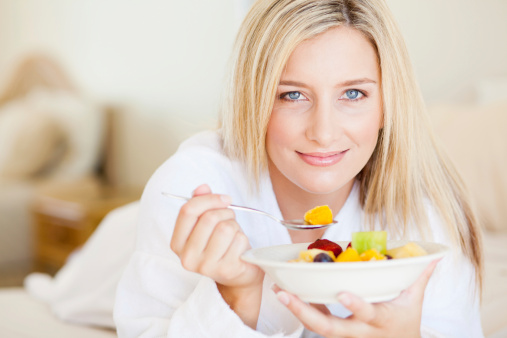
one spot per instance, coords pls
(294, 224)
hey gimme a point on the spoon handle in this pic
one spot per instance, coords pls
(237, 207)
(231, 206)
(166, 194)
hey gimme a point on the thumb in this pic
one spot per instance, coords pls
(203, 189)
(420, 284)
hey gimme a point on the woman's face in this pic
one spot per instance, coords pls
(327, 112)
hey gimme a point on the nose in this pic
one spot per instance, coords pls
(322, 126)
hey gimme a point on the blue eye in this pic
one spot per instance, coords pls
(294, 95)
(352, 94)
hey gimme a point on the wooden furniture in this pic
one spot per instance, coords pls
(65, 215)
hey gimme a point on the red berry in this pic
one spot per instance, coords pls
(350, 245)
(325, 244)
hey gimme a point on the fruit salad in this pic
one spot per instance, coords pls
(365, 246)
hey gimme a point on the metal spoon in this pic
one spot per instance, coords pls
(295, 224)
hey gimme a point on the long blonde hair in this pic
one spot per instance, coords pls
(407, 166)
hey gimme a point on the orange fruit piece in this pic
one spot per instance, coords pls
(319, 215)
(349, 255)
(372, 255)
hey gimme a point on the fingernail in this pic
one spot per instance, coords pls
(283, 298)
(226, 199)
(275, 288)
(344, 299)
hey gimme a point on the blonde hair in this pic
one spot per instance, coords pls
(407, 166)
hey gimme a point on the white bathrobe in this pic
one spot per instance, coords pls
(157, 297)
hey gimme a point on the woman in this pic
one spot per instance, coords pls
(322, 108)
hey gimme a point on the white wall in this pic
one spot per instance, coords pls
(454, 44)
(163, 60)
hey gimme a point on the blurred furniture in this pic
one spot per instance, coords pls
(52, 137)
(49, 132)
(65, 215)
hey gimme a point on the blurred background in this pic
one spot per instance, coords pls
(162, 61)
(96, 94)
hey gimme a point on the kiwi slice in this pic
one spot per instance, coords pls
(362, 241)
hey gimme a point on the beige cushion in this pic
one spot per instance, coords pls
(82, 124)
(58, 133)
(29, 142)
(476, 141)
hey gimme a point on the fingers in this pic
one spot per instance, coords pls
(321, 307)
(191, 212)
(219, 241)
(231, 265)
(312, 318)
(208, 239)
(375, 314)
(322, 323)
(199, 238)
(417, 289)
(239, 245)
(203, 189)
(361, 310)
(275, 288)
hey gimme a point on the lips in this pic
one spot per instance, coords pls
(322, 159)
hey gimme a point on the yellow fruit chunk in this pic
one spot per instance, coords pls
(319, 215)
(349, 255)
(372, 255)
(309, 255)
(408, 250)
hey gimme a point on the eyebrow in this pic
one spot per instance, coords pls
(342, 84)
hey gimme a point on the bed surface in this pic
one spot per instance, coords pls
(23, 316)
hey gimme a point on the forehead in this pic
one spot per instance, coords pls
(342, 51)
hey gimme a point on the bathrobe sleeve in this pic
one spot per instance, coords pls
(451, 305)
(156, 296)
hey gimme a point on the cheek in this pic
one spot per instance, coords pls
(281, 131)
(365, 131)
(273, 136)
(370, 132)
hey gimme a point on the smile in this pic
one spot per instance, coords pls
(322, 159)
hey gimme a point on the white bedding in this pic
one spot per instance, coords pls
(21, 316)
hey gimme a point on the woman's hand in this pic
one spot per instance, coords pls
(400, 317)
(209, 241)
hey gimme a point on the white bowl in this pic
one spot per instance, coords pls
(374, 281)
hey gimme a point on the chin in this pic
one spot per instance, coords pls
(323, 187)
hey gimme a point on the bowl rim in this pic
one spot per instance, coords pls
(250, 257)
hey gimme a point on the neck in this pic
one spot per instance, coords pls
(294, 201)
